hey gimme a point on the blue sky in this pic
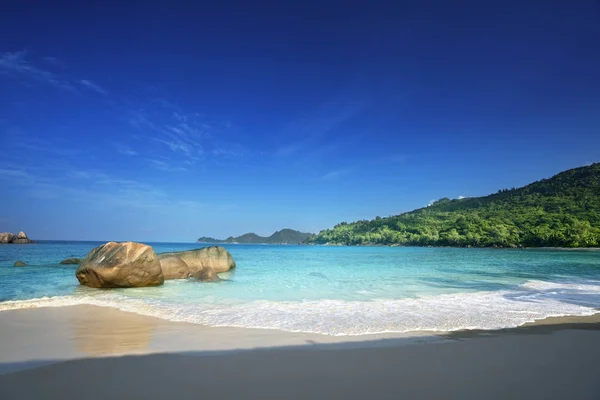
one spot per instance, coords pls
(158, 121)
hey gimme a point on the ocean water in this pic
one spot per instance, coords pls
(331, 290)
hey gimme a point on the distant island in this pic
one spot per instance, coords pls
(563, 211)
(284, 236)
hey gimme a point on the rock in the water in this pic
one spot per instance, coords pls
(19, 264)
(117, 265)
(173, 267)
(7, 237)
(20, 238)
(73, 260)
(206, 274)
(215, 257)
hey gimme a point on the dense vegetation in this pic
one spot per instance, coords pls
(563, 211)
(284, 236)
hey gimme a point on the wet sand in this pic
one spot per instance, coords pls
(95, 352)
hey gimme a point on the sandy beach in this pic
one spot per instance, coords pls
(95, 352)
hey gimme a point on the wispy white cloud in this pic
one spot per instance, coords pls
(125, 150)
(94, 188)
(93, 86)
(308, 130)
(42, 146)
(461, 197)
(14, 174)
(181, 134)
(139, 119)
(165, 166)
(176, 145)
(335, 174)
(16, 63)
(176, 138)
(229, 150)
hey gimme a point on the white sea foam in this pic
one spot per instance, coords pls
(479, 310)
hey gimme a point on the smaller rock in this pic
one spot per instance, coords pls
(19, 264)
(206, 274)
(20, 238)
(7, 237)
(72, 260)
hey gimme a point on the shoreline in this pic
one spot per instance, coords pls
(75, 331)
(107, 353)
(173, 315)
(81, 331)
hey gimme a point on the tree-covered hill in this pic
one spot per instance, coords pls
(284, 236)
(563, 211)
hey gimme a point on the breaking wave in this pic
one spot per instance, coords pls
(531, 301)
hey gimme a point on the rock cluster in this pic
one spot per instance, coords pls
(11, 238)
(129, 264)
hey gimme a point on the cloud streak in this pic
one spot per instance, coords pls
(165, 166)
(125, 150)
(179, 133)
(91, 85)
(169, 135)
(310, 129)
(335, 174)
(18, 64)
(14, 174)
(92, 188)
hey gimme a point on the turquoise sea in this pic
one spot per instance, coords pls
(331, 290)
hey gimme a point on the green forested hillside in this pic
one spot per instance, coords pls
(563, 211)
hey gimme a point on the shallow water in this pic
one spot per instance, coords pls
(331, 290)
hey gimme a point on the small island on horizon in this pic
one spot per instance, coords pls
(283, 236)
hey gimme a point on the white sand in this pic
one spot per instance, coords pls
(69, 352)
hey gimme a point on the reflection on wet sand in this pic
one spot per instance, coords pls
(125, 333)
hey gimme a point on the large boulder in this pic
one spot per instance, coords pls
(119, 265)
(7, 237)
(184, 264)
(19, 264)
